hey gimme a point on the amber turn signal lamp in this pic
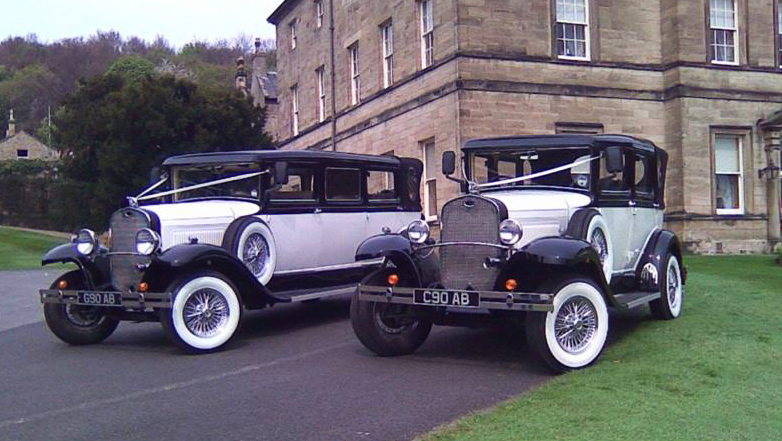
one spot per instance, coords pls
(142, 287)
(393, 279)
(510, 284)
(62, 284)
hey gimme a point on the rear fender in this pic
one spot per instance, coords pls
(179, 260)
(542, 262)
(659, 244)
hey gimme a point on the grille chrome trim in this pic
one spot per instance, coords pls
(123, 258)
(470, 235)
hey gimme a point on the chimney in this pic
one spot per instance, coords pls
(257, 44)
(11, 125)
(241, 75)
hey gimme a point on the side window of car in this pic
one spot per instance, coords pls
(644, 177)
(343, 184)
(381, 186)
(300, 186)
(614, 184)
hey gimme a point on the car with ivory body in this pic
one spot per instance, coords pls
(218, 233)
(549, 231)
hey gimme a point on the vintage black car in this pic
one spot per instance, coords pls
(218, 233)
(551, 230)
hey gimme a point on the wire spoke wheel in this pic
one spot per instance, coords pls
(575, 324)
(673, 286)
(600, 244)
(392, 318)
(255, 253)
(83, 316)
(206, 312)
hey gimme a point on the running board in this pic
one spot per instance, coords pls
(632, 300)
(300, 295)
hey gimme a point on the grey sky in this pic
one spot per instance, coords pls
(179, 21)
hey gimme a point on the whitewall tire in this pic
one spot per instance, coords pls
(669, 305)
(256, 248)
(598, 235)
(205, 313)
(574, 334)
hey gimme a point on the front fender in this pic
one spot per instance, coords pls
(397, 250)
(95, 268)
(540, 264)
(178, 260)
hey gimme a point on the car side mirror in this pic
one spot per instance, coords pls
(614, 162)
(280, 173)
(449, 163)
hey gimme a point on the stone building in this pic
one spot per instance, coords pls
(20, 145)
(262, 85)
(700, 78)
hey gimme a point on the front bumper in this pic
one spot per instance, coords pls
(506, 301)
(130, 300)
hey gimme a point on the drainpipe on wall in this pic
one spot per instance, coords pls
(333, 81)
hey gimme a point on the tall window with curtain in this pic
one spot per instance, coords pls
(729, 171)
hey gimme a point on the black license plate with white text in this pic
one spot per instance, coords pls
(441, 297)
(99, 298)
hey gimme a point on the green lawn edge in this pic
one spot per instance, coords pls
(23, 249)
(715, 373)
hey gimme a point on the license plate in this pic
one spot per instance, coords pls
(98, 298)
(437, 297)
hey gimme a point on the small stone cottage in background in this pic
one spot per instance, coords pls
(20, 145)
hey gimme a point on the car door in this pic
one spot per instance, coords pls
(344, 214)
(293, 214)
(384, 202)
(647, 215)
(616, 206)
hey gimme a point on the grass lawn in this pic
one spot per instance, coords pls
(715, 373)
(24, 249)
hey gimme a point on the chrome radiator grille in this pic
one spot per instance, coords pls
(125, 223)
(469, 219)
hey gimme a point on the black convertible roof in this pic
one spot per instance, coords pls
(558, 141)
(278, 155)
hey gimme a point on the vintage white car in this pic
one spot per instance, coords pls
(552, 230)
(221, 232)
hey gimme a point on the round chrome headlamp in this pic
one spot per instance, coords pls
(510, 232)
(418, 231)
(86, 242)
(147, 241)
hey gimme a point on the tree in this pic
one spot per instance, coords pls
(116, 131)
(132, 68)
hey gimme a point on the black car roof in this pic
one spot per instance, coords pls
(558, 141)
(277, 155)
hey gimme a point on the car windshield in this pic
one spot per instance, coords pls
(567, 167)
(194, 175)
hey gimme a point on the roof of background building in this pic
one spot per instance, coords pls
(280, 11)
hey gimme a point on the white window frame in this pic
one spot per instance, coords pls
(387, 43)
(426, 12)
(355, 75)
(295, 109)
(319, 13)
(587, 30)
(429, 217)
(735, 29)
(292, 28)
(320, 74)
(740, 144)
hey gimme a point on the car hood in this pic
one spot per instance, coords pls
(541, 213)
(198, 210)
